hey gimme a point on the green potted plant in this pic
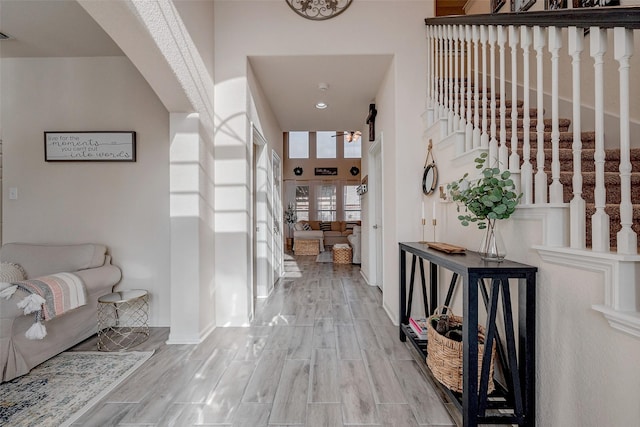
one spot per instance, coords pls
(290, 217)
(486, 199)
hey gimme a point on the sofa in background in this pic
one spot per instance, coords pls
(331, 232)
(91, 262)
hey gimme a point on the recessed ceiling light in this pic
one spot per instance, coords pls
(321, 105)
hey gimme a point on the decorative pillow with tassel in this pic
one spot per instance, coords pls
(10, 272)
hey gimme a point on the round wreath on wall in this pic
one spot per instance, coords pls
(354, 171)
(297, 170)
(318, 10)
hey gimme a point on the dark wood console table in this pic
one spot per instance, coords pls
(514, 401)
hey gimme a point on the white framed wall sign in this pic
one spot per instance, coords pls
(102, 146)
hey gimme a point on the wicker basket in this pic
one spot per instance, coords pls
(444, 355)
(306, 247)
(341, 254)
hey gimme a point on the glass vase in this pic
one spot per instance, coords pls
(492, 246)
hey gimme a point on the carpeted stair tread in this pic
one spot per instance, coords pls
(565, 140)
(612, 163)
(563, 124)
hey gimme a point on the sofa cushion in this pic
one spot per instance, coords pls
(306, 226)
(332, 233)
(298, 226)
(325, 226)
(350, 224)
(315, 225)
(336, 225)
(41, 260)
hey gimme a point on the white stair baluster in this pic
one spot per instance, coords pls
(514, 158)
(456, 80)
(600, 219)
(627, 239)
(539, 40)
(468, 134)
(476, 88)
(445, 76)
(578, 227)
(450, 77)
(555, 43)
(493, 141)
(463, 55)
(484, 137)
(503, 152)
(429, 77)
(441, 59)
(526, 177)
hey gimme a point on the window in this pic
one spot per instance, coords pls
(298, 145)
(326, 145)
(326, 201)
(353, 149)
(302, 202)
(351, 203)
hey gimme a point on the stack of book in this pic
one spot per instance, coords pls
(419, 326)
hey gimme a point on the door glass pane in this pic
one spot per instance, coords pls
(326, 201)
(302, 202)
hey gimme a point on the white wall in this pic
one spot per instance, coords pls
(123, 205)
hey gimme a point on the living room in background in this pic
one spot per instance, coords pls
(302, 202)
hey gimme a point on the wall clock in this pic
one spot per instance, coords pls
(297, 171)
(319, 10)
(354, 171)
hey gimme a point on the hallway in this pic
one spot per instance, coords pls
(321, 352)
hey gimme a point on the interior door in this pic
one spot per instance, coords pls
(276, 200)
(375, 208)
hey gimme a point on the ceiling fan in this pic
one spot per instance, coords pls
(350, 136)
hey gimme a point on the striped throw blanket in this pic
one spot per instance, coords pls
(49, 296)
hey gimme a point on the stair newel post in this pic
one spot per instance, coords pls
(476, 87)
(493, 141)
(514, 158)
(456, 80)
(484, 138)
(539, 42)
(600, 219)
(503, 152)
(627, 239)
(578, 227)
(555, 43)
(468, 132)
(463, 54)
(526, 178)
(450, 115)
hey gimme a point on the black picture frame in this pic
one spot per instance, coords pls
(326, 171)
(90, 146)
(594, 3)
(496, 5)
(521, 5)
(555, 4)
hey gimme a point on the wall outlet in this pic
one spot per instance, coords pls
(13, 193)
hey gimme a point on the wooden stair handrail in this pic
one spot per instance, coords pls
(606, 17)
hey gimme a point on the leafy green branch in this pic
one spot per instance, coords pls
(490, 197)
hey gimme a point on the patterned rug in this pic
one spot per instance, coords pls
(60, 390)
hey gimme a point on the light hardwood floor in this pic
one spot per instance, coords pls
(321, 351)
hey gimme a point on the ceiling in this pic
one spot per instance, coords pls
(58, 28)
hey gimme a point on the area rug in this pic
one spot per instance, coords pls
(325, 256)
(60, 390)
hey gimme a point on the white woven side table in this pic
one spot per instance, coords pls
(123, 320)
